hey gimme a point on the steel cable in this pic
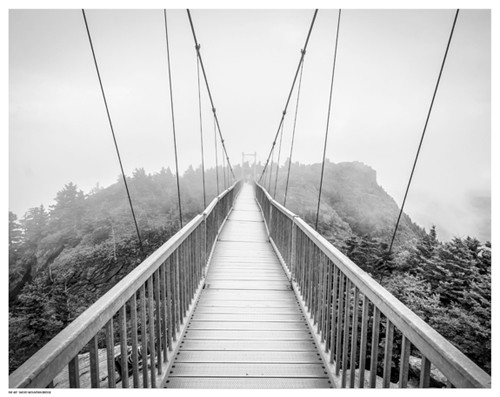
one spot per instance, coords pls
(113, 133)
(425, 128)
(173, 119)
(209, 92)
(201, 134)
(278, 161)
(293, 133)
(291, 91)
(328, 120)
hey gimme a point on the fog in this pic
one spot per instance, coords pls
(387, 66)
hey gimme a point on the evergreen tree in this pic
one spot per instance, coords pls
(35, 226)
(15, 237)
(67, 214)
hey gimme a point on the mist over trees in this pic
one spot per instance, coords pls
(62, 259)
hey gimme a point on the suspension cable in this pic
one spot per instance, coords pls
(293, 133)
(209, 92)
(425, 128)
(113, 133)
(328, 120)
(201, 134)
(271, 170)
(224, 172)
(291, 90)
(278, 162)
(216, 159)
(173, 119)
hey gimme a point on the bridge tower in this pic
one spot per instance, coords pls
(254, 166)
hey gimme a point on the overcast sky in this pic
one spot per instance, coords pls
(387, 65)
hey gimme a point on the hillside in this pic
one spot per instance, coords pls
(62, 259)
(352, 202)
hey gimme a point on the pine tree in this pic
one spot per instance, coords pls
(35, 226)
(15, 237)
(66, 216)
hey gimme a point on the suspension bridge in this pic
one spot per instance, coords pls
(247, 295)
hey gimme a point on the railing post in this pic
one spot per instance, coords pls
(204, 245)
(270, 224)
(293, 246)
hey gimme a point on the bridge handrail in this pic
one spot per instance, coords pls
(283, 226)
(40, 370)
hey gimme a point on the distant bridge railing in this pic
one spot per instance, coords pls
(345, 303)
(140, 318)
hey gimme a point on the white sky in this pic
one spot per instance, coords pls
(387, 67)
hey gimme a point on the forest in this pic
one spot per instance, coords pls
(64, 257)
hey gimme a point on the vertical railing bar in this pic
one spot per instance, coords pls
(94, 363)
(194, 272)
(182, 281)
(320, 302)
(152, 339)
(170, 302)
(347, 317)
(164, 311)
(194, 269)
(180, 288)
(329, 281)
(74, 373)
(363, 342)
(404, 362)
(374, 352)
(311, 265)
(134, 340)
(307, 265)
(334, 312)
(354, 340)
(122, 320)
(187, 273)
(176, 296)
(325, 304)
(110, 353)
(306, 272)
(388, 354)
(156, 281)
(425, 373)
(338, 351)
(314, 285)
(144, 336)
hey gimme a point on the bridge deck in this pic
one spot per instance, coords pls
(247, 329)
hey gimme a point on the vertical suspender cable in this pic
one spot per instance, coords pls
(224, 171)
(271, 171)
(290, 93)
(328, 120)
(201, 132)
(173, 119)
(278, 162)
(423, 132)
(209, 93)
(216, 159)
(293, 132)
(113, 133)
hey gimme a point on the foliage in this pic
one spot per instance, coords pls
(64, 259)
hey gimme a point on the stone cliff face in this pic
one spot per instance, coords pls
(352, 201)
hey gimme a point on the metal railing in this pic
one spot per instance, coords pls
(355, 317)
(141, 317)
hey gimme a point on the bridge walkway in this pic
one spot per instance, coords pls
(247, 329)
